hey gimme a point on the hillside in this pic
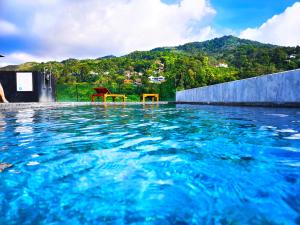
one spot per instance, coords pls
(221, 45)
(216, 47)
(187, 66)
(28, 66)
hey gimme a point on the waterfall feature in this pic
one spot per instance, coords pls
(46, 94)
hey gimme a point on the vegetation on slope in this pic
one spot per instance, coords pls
(187, 66)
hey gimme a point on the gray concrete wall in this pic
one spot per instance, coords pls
(279, 88)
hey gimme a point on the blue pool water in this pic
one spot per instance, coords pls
(150, 165)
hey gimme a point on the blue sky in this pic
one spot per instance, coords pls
(41, 30)
(241, 14)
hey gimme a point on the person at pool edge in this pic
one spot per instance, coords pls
(2, 95)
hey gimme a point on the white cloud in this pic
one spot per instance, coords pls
(21, 57)
(282, 29)
(92, 28)
(7, 28)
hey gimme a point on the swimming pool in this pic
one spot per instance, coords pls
(150, 165)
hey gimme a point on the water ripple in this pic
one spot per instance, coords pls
(160, 165)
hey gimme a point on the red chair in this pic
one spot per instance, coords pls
(104, 93)
(100, 92)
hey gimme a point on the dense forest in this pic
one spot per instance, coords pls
(187, 66)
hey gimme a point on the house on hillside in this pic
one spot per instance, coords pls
(93, 73)
(128, 81)
(222, 65)
(128, 74)
(161, 66)
(138, 81)
(159, 79)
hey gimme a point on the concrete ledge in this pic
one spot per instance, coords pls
(251, 104)
(50, 105)
(276, 90)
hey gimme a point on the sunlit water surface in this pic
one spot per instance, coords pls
(150, 165)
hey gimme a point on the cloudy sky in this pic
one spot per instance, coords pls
(42, 30)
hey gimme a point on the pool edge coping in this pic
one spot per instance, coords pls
(49, 105)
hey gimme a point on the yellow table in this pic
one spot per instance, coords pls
(151, 95)
(114, 96)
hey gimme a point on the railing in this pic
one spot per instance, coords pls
(82, 92)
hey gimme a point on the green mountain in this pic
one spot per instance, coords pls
(217, 46)
(221, 45)
(187, 66)
(250, 58)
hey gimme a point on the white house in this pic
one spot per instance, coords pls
(93, 73)
(223, 65)
(159, 79)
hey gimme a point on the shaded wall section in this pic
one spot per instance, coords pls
(40, 88)
(273, 89)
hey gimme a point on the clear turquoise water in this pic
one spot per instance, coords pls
(150, 165)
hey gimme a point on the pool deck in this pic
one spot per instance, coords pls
(50, 105)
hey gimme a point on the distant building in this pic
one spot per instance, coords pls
(138, 81)
(223, 65)
(127, 81)
(128, 74)
(293, 56)
(161, 66)
(159, 79)
(93, 73)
